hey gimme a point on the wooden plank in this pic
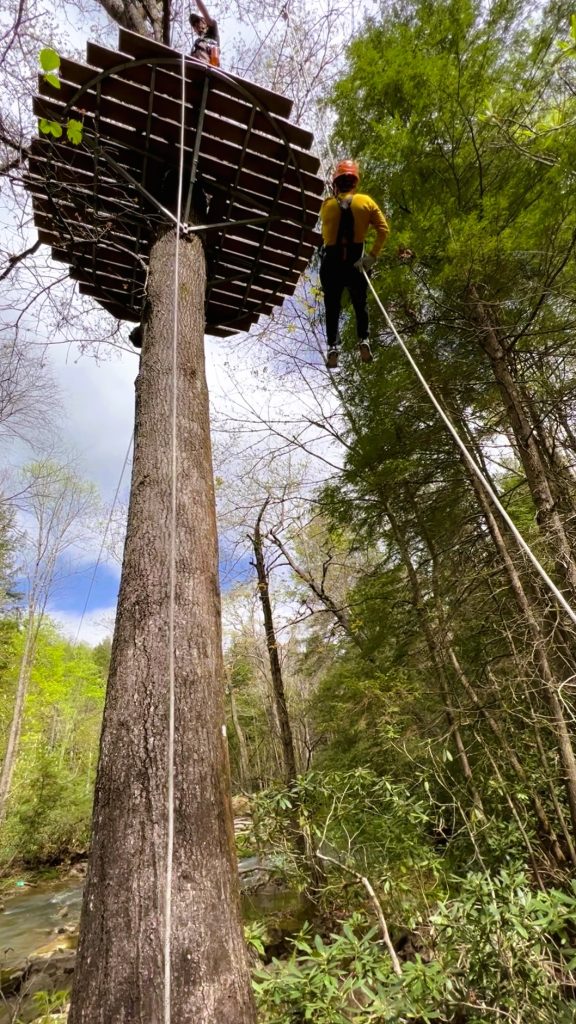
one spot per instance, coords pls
(271, 258)
(44, 175)
(259, 276)
(120, 310)
(129, 106)
(109, 283)
(112, 259)
(221, 332)
(68, 155)
(76, 245)
(289, 205)
(140, 47)
(217, 303)
(231, 93)
(87, 221)
(213, 142)
(105, 237)
(225, 314)
(284, 242)
(237, 291)
(231, 133)
(171, 86)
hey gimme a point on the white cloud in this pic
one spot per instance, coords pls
(98, 413)
(96, 625)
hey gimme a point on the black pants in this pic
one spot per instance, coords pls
(336, 274)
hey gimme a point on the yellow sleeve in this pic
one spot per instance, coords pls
(380, 224)
(330, 219)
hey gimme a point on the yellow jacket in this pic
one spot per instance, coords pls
(366, 214)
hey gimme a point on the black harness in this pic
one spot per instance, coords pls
(345, 235)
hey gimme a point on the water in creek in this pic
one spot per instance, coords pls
(32, 915)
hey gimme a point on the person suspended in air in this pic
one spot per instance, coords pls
(346, 217)
(206, 46)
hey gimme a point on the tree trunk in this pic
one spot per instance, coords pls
(544, 500)
(243, 760)
(538, 639)
(280, 706)
(448, 645)
(120, 973)
(11, 752)
(436, 654)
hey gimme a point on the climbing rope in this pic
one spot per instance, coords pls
(473, 466)
(172, 566)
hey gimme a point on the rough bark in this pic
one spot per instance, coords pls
(436, 655)
(243, 759)
(146, 18)
(280, 705)
(119, 975)
(534, 466)
(545, 671)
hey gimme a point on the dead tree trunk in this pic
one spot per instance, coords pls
(120, 968)
(436, 654)
(552, 689)
(243, 759)
(547, 514)
(281, 708)
(10, 754)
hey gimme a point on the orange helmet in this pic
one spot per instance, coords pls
(348, 167)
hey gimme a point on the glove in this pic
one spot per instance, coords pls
(365, 262)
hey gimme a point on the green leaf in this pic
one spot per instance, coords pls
(52, 80)
(74, 131)
(50, 127)
(49, 59)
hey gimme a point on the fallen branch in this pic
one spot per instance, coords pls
(375, 903)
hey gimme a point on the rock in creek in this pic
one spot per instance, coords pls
(41, 974)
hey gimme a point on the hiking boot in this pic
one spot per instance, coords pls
(332, 358)
(365, 351)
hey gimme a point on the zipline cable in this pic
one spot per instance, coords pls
(472, 465)
(106, 528)
(172, 567)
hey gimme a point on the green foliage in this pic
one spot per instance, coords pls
(495, 950)
(336, 981)
(256, 933)
(48, 1005)
(101, 654)
(49, 60)
(50, 65)
(500, 942)
(341, 815)
(74, 130)
(50, 807)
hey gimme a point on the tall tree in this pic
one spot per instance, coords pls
(163, 856)
(58, 509)
(280, 704)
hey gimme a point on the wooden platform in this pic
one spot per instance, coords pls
(96, 204)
